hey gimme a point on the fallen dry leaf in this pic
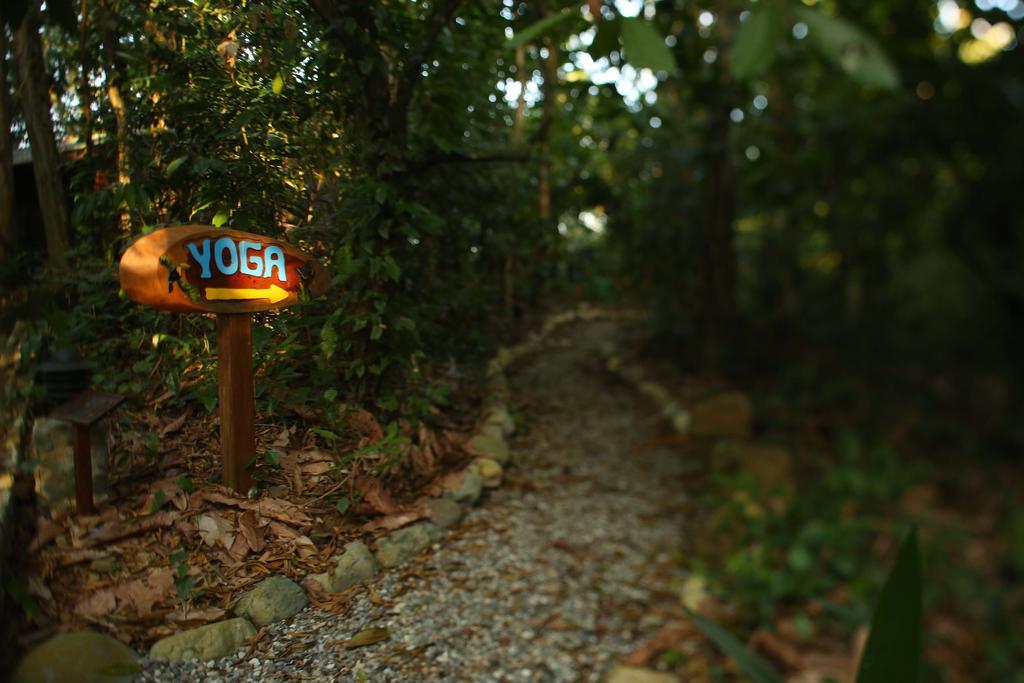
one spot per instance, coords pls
(667, 638)
(165, 490)
(195, 616)
(395, 521)
(335, 603)
(252, 530)
(367, 636)
(364, 424)
(302, 411)
(282, 439)
(114, 531)
(175, 424)
(274, 508)
(142, 594)
(823, 667)
(215, 530)
(283, 531)
(315, 469)
(305, 547)
(66, 559)
(46, 531)
(375, 495)
(239, 548)
(99, 604)
(421, 459)
(776, 649)
(38, 588)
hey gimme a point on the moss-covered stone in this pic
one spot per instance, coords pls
(205, 643)
(78, 657)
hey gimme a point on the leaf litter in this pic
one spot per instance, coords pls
(172, 549)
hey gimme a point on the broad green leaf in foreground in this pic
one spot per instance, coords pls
(893, 651)
(645, 46)
(754, 48)
(851, 49)
(532, 32)
(606, 40)
(175, 165)
(749, 663)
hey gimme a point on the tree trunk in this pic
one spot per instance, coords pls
(520, 119)
(84, 91)
(115, 78)
(719, 262)
(7, 236)
(718, 257)
(34, 84)
(543, 136)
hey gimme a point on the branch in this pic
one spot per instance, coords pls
(375, 83)
(510, 156)
(398, 118)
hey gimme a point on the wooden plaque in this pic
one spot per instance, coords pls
(203, 269)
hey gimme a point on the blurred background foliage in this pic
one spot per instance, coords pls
(818, 197)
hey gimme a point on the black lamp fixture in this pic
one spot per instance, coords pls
(63, 376)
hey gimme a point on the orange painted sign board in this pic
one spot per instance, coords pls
(203, 269)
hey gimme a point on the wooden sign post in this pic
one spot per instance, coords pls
(202, 269)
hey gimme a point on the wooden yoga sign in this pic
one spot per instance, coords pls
(203, 269)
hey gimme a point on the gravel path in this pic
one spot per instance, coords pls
(557, 575)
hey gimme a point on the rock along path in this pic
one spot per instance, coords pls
(556, 576)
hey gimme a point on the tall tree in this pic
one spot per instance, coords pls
(6, 157)
(34, 87)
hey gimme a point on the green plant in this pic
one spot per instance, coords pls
(782, 548)
(893, 651)
(16, 587)
(184, 583)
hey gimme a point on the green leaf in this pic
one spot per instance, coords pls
(185, 483)
(532, 32)
(799, 558)
(606, 40)
(342, 505)
(330, 394)
(159, 500)
(184, 586)
(328, 339)
(753, 51)
(278, 85)
(753, 666)
(893, 650)
(220, 219)
(175, 165)
(329, 435)
(17, 589)
(645, 46)
(845, 45)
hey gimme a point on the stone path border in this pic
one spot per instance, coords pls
(678, 416)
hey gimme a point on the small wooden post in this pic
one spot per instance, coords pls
(235, 390)
(81, 444)
(83, 411)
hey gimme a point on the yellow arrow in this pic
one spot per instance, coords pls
(274, 293)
